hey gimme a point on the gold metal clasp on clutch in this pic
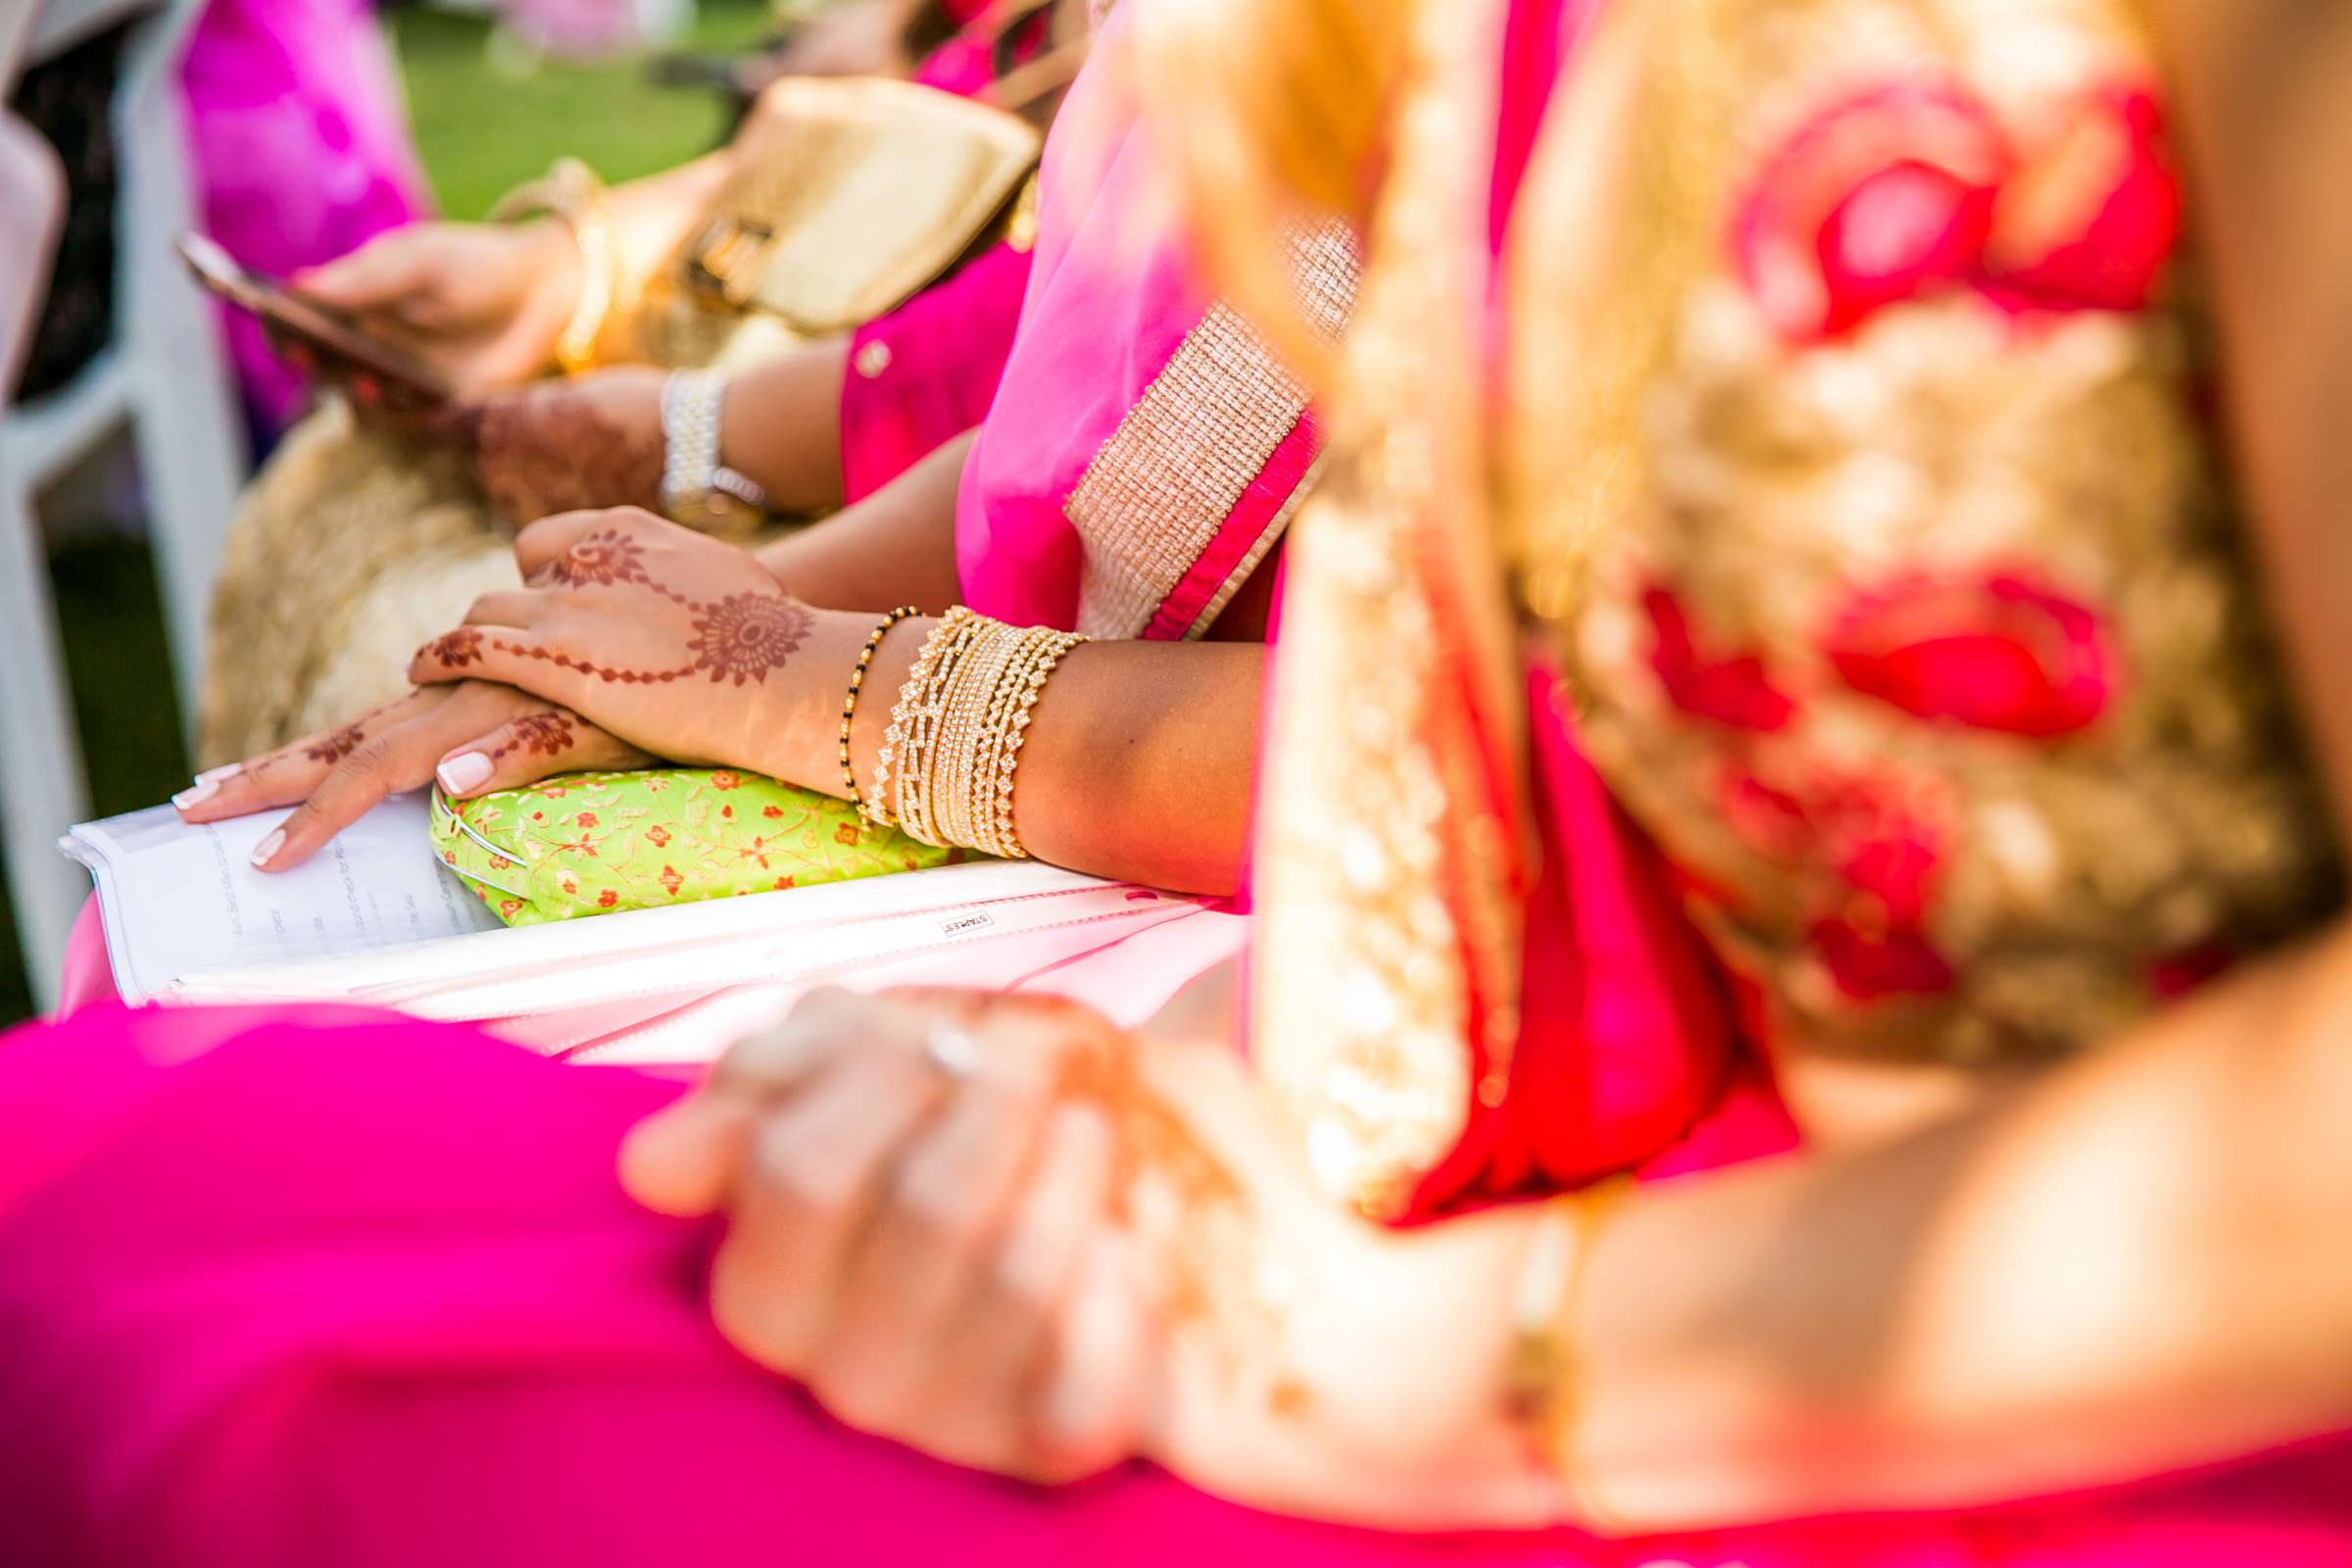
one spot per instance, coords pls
(725, 264)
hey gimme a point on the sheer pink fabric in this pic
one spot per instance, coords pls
(1111, 296)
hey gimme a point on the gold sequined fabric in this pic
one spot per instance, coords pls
(1906, 601)
(1162, 485)
(1385, 967)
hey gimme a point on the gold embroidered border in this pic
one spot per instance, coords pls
(1164, 482)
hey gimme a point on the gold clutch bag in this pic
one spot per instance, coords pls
(854, 193)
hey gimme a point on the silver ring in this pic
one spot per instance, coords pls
(954, 1051)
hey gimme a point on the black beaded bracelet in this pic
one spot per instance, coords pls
(848, 708)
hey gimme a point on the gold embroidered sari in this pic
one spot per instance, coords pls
(1848, 504)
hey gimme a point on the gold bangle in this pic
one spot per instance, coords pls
(1544, 1381)
(870, 814)
(950, 756)
(988, 757)
(1029, 684)
(917, 718)
(966, 704)
(900, 735)
(572, 193)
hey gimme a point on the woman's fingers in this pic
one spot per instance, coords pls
(382, 274)
(506, 608)
(397, 758)
(811, 1172)
(1028, 1373)
(542, 543)
(290, 773)
(508, 656)
(684, 1160)
(529, 748)
(915, 1263)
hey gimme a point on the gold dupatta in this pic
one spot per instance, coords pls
(1392, 857)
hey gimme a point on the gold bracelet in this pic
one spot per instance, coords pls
(870, 814)
(988, 757)
(571, 191)
(918, 713)
(944, 716)
(1029, 684)
(955, 733)
(967, 713)
(1544, 1383)
(896, 738)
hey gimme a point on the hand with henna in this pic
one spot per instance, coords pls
(564, 446)
(473, 737)
(678, 643)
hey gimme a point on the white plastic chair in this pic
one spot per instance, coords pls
(165, 382)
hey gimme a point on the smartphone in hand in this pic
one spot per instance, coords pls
(326, 335)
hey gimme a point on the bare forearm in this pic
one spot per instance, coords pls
(2265, 91)
(896, 547)
(780, 426)
(2132, 1267)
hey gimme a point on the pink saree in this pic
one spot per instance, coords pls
(1146, 450)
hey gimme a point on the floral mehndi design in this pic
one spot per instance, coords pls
(547, 734)
(741, 637)
(335, 747)
(605, 559)
(744, 636)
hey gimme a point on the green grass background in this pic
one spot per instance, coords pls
(482, 127)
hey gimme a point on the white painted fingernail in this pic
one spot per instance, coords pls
(268, 846)
(213, 775)
(196, 794)
(463, 773)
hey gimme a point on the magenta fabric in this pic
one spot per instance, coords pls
(329, 1285)
(1111, 296)
(87, 976)
(926, 372)
(1627, 1058)
(301, 152)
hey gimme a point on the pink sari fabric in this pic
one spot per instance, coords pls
(1112, 297)
(301, 148)
(329, 1285)
(926, 372)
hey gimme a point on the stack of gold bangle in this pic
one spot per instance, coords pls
(948, 758)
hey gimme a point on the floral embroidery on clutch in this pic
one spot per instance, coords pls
(634, 841)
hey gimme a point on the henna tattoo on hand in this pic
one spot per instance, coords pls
(456, 649)
(538, 735)
(553, 450)
(746, 635)
(337, 746)
(739, 638)
(605, 559)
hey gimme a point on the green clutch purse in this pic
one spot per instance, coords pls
(600, 843)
